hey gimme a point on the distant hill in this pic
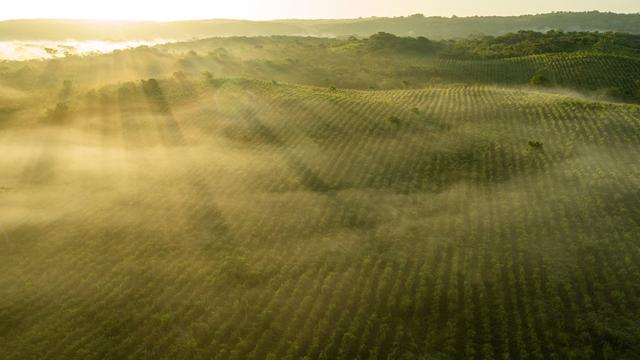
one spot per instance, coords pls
(415, 25)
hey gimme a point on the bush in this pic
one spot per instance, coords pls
(151, 87)
(536, 144)
(613, 93)
(394, 120)
(539, 80)
(65, 93)
(59, 113)
(207, 76)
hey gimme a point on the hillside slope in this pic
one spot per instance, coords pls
(235, 219)
(390, 63)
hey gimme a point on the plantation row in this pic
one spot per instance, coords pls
(252, 220)
(580, 71)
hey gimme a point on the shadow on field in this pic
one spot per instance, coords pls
(346, 213)
(169, 129)
(40, 171)
(7, 114)
(309, 178)
(129, 123)
(208, 220)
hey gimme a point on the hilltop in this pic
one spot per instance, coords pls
(416, 25)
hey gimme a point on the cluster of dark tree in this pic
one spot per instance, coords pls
(383, 40)
(521, 43)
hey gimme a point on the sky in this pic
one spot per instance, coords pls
(165, 10)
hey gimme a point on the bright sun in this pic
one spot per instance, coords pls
(160, 10)
(163, 10)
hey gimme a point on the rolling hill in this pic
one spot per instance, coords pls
(604, 65)
(291, 197)
(241, 219)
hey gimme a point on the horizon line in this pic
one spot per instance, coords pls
(453, 16)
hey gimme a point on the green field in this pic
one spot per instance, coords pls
(258, 212)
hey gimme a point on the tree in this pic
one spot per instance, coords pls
(151, 87)
(613, 92)
(207, 76)
(536, 144)
(67, 87)
(59, 113)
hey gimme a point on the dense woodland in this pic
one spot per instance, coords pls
(378, 197)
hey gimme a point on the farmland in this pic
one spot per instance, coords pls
(177, 202)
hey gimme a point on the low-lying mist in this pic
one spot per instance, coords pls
(194, 215)
(28, 50)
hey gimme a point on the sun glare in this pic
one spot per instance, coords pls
(163, 10)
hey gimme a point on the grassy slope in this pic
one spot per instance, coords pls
(247, 219)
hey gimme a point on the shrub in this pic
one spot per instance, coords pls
(207, 76)
(59, 113)
(394, 120)
(613, 92)
(539, 80)
(67, 88)
(151, 87)
(536, 144)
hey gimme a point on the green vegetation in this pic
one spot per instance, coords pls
(383, 61)
(313, 198)
(525, 43)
